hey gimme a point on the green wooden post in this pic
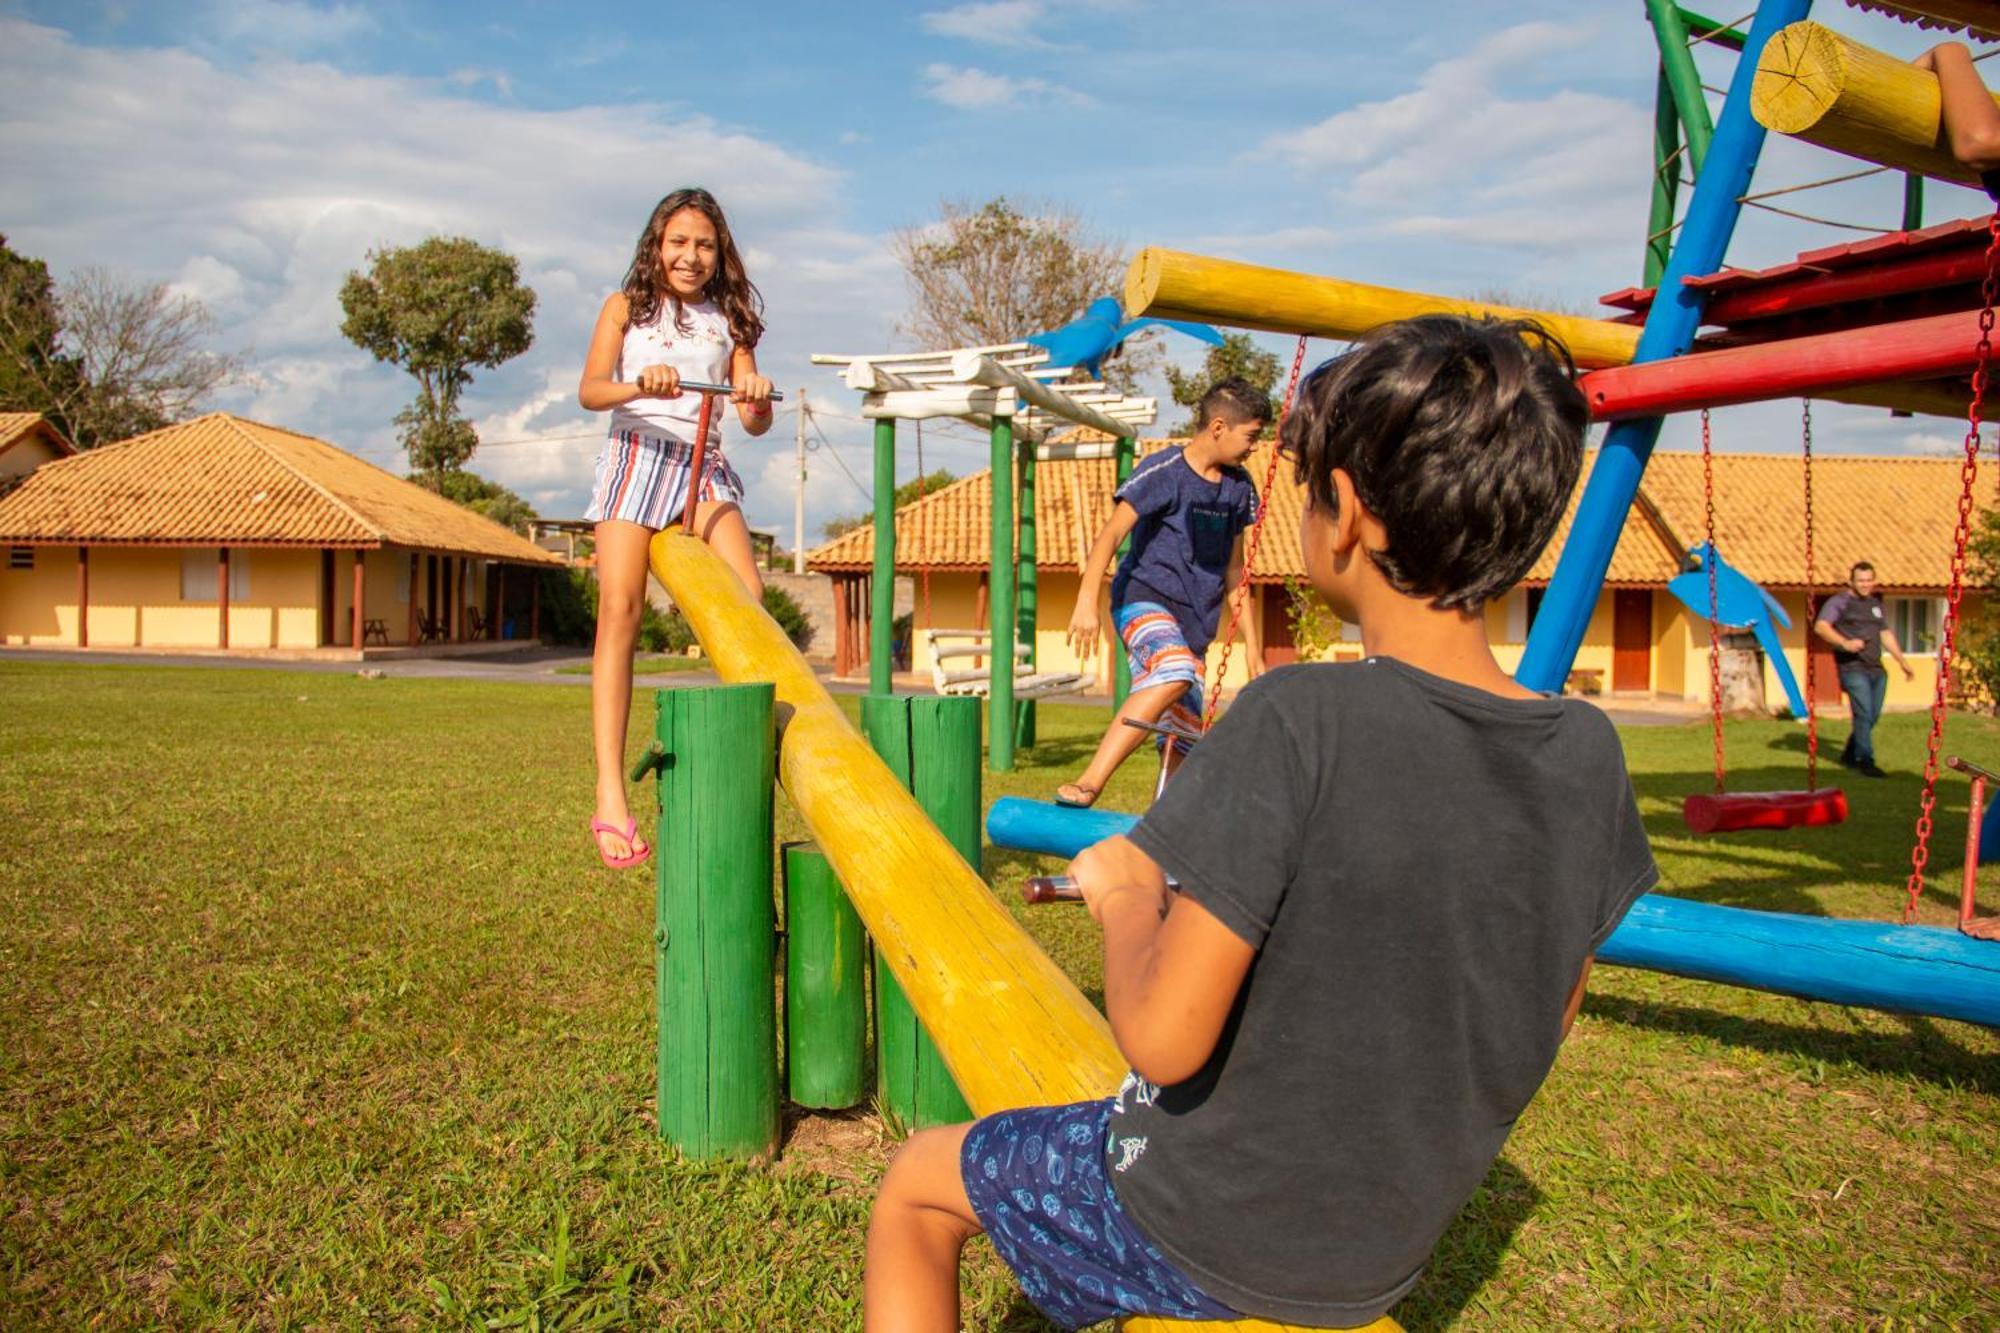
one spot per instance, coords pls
(1666, 181)
(1121, 669)
(1000, 603)
(714, 930)
(1025, 578)
(826, 1007)
(932, 746)
(1913, 201)
(882, 613)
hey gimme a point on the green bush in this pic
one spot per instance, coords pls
(569, 615)
(791, 617)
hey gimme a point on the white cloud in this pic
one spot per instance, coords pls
(503, 83)
(1553, 173)
(257, 189)
(978, 90)
(998, 23)
(1936, 444)
(288, 25)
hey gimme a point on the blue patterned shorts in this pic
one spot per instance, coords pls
(1159, 654)
(1036, 1180)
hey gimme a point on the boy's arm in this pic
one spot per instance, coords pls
(1171, 970)
(1971, 119)
(1233, 588)
(1083, 626)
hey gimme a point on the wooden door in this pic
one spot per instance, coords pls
(1632, 639)
(1279, 645)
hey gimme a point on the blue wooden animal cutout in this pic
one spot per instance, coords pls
(1741, 603)
(1087, 340)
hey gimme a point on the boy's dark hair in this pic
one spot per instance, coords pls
(1858, 566)
(1236, 400)
(1464, 436)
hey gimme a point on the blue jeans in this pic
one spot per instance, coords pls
(1865, 688)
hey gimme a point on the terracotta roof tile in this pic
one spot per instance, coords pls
(221, 480)
(1896, 512)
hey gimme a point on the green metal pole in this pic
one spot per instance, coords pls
(1666, 181)
(1000, 604)
(1121, 669)
(826, 1006)
(1025, 577)
(1913, 201)
(1670, 32)
(882, 612)
(932, 746)
(717, 1076)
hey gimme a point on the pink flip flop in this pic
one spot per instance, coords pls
(631, 835)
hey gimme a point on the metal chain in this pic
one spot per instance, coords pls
(1714, 627)
(1812, 604)
(1948, 632)
(1256, 539)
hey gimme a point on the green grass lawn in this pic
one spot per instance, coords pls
(316, 1009)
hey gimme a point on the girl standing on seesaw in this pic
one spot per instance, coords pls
(686, 313)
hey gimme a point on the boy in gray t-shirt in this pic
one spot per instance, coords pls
(1392, 875)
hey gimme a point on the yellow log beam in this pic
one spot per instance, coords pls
(1011, 1026)
(1175, 285)
(1816, 85)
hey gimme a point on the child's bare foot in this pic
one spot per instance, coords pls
(617, 833)
(1079, 794)
(1983, 928)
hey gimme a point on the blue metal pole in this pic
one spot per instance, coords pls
(1670, 328)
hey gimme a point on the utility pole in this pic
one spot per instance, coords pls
(799, 496)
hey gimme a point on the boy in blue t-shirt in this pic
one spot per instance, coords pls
(1186, 510)
(1388, 878)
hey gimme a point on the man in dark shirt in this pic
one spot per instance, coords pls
(1852, 621)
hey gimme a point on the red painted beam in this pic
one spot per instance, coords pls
(1914, 349)
(1818, 289)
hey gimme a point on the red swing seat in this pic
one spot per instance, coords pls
(1723, 811)
(1728, 812)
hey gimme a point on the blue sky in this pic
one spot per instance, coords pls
(251, 153)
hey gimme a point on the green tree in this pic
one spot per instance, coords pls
(1237, 356)
(34, 374)
(1976, 661)
(437, 309)
(487, 498)
(907, 493)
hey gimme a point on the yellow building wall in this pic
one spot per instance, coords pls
(38, 605)
(385, 593)
(135, 601)
(1690, 645)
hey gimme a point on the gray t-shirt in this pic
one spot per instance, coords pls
(1855, 617)
(1423, 868)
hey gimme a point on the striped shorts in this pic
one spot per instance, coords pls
(1158, 654)
(643, 479)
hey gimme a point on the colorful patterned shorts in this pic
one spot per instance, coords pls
(1158, 653)
(1037, 1183)
(643, 479)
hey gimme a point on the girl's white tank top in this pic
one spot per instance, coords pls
(699, 349)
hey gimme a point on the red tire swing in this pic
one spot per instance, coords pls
(1724, 811)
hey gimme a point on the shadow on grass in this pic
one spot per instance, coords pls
(1470, 1251)
(1920, 1050)
(1782, 870)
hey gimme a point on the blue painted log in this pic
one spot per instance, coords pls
(1901, 969)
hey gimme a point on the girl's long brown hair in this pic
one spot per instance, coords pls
(646, 286)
